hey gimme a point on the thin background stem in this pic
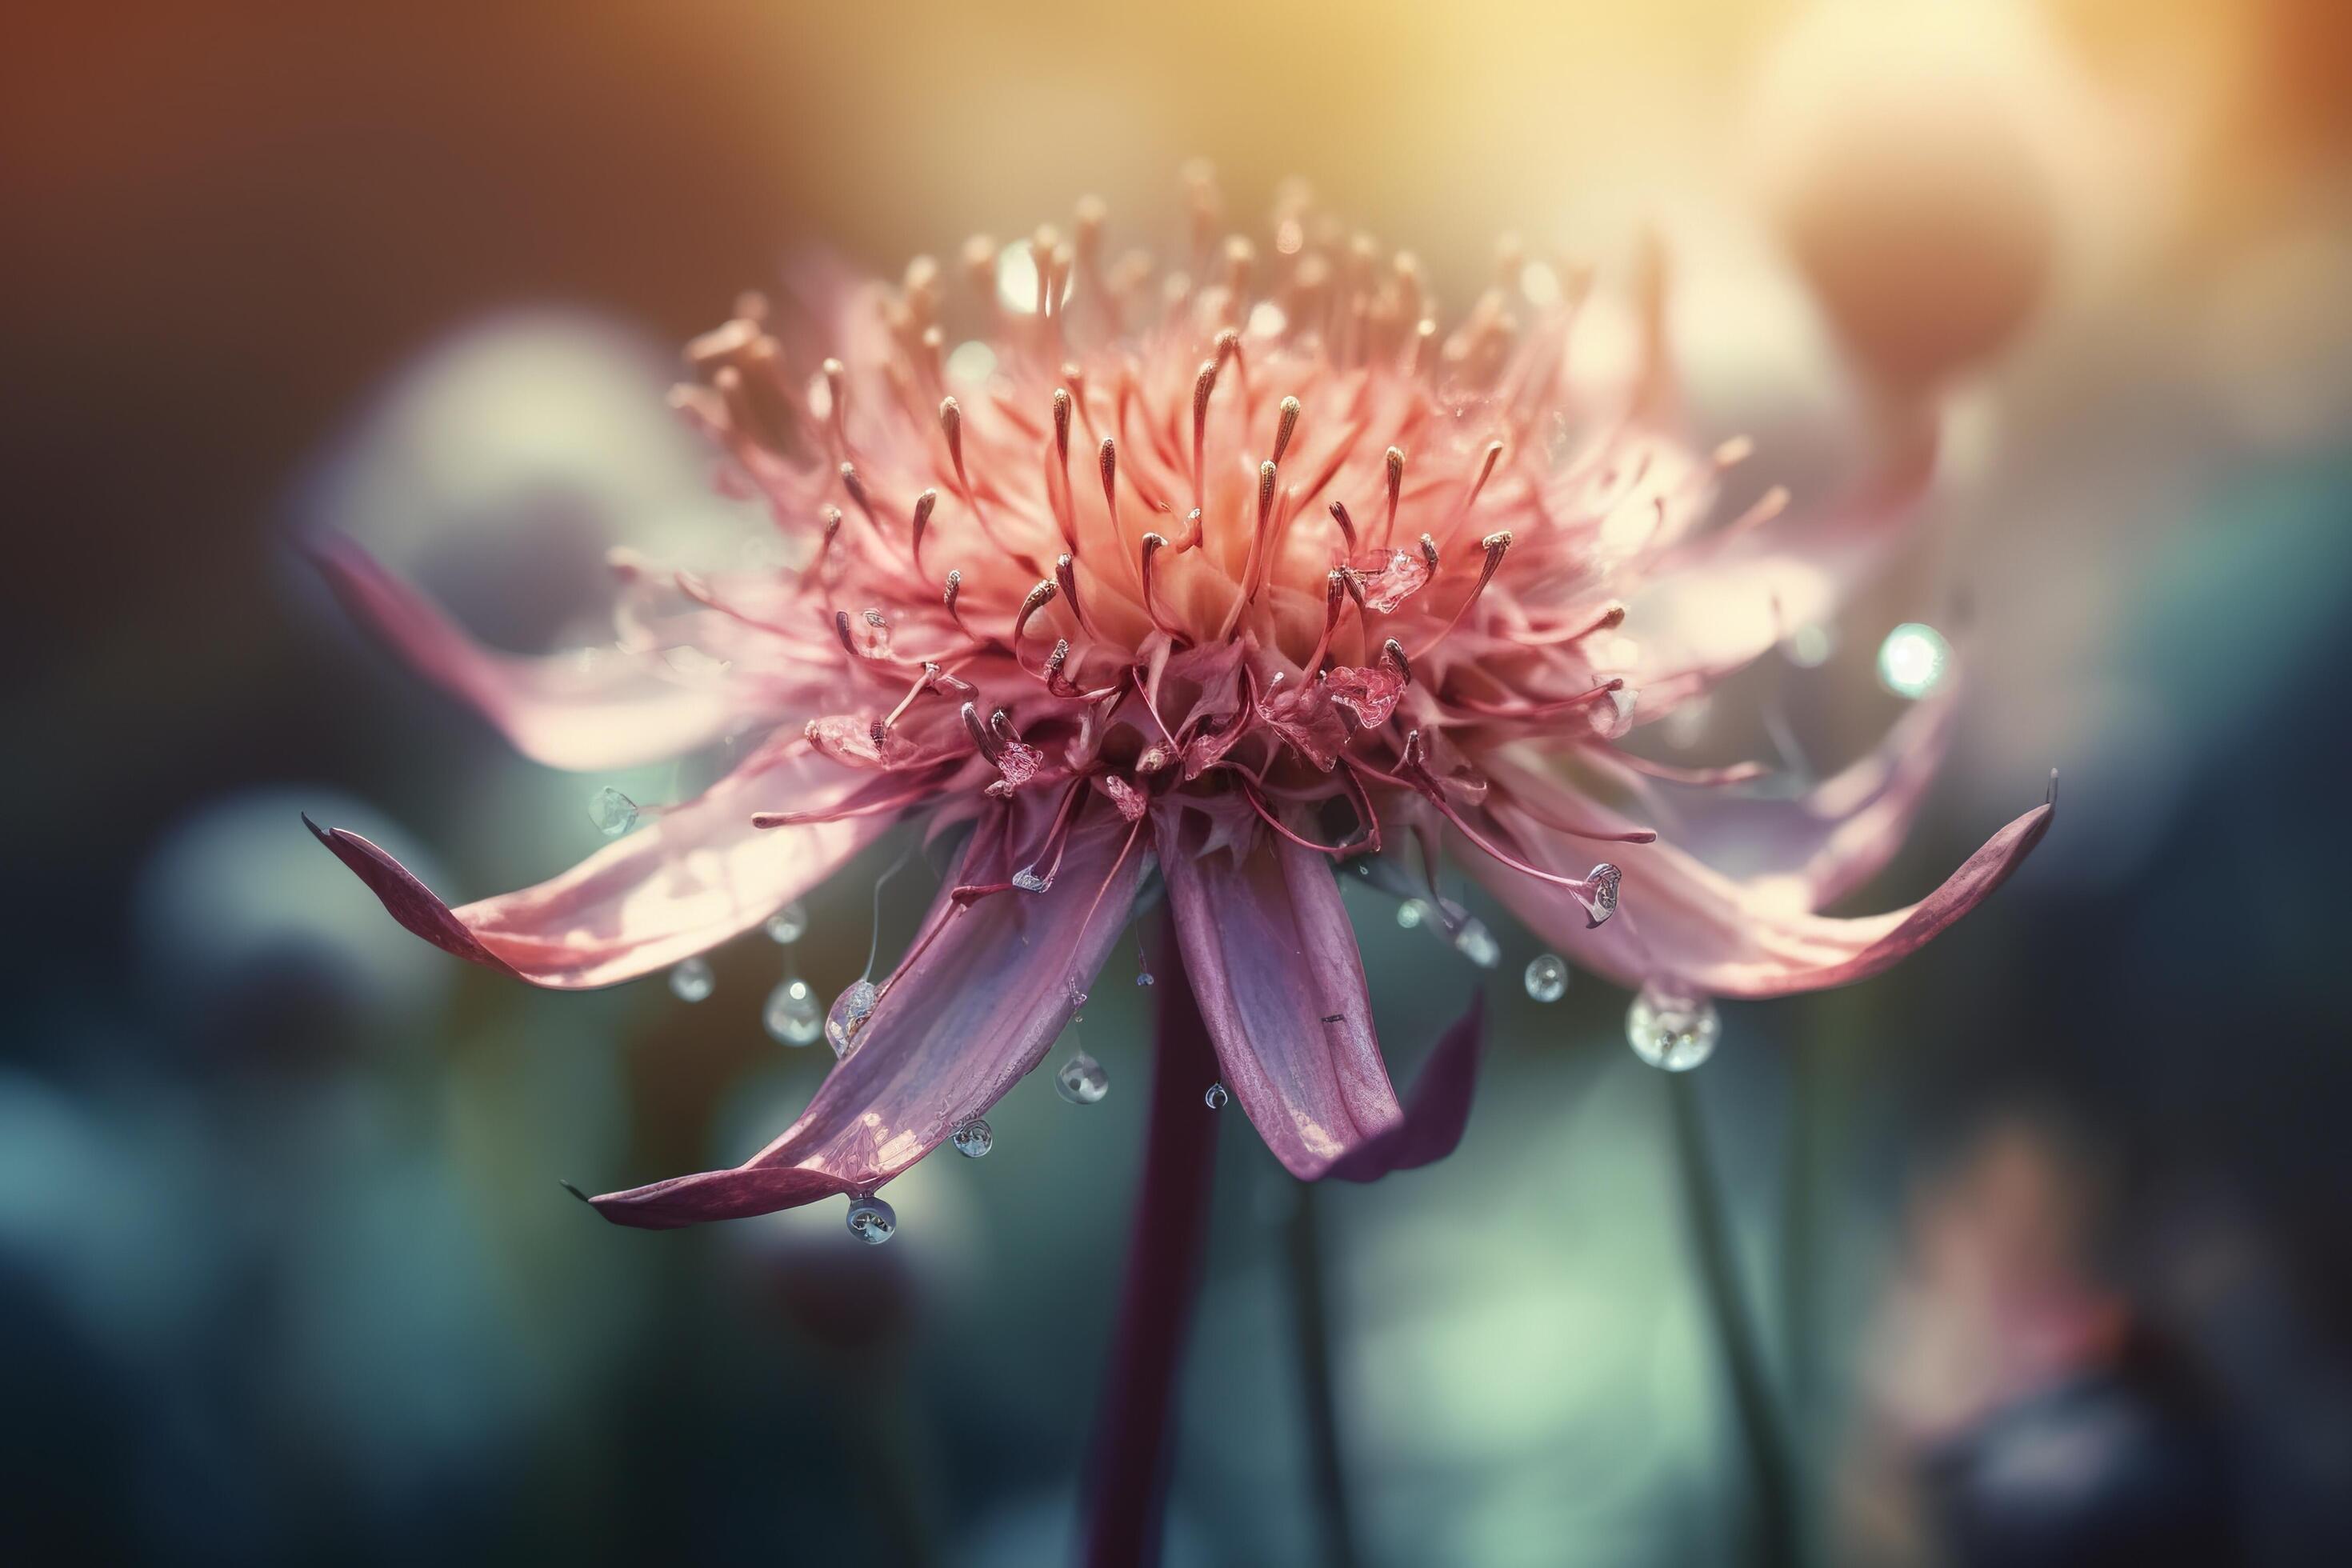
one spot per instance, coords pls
(1310, 1311)
(1763, 1437)
(1128, 1459)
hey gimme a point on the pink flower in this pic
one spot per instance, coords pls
(1246, 571)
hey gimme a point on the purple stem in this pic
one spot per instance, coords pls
(1127, 1462)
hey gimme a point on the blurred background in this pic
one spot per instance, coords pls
(2046, 1231)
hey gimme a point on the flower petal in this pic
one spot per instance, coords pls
(1834, 836)
(1727, 937)
(1437, 1110)
(615, 709)
(1275, 966)
(699, 874)
(987, 991)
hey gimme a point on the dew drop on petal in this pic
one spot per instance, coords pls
(691, 981)
(1144, 977)
(1029, 881)
(872, 1221)
(1672, 1025)
(789, 924)
(1476, 944)
(850, 1010)
(1215, 1099)
(612, 812)
(1081, 1081)
(975, 1138)
(1410, 913)
(791, 1014)
(1548, 977)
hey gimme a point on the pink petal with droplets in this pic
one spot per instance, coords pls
(699, 874)
(1727, 937)
(1273, 957)
(1834, 836)
(589, 711)
(989, 990)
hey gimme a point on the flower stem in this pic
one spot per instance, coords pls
(1128, 1461)
(1311, 1313)
(1762, 1436)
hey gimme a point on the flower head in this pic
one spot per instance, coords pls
(1248, 572)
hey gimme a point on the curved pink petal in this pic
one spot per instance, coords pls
(1836, 836)
(614, 710)
(1727, 937)
(987, 990)
(699, 874)
(1275, 966)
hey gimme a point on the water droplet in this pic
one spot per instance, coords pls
(1215, 1099)
(848, 1015)
(1601, 902)
(1672, 1025)
(789, 924)
(1410, 913)
(1144, 978)
(1028, 881)
(791, 1014)
(1476, 944)
(1911, 661)
(692, 979)
(872, 1221)
(975, 1138)
(612, 812)
(1548, 977)
(1081, 1081)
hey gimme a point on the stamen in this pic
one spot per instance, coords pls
(1429, 554)
(923, 505)
(1347, 524)
(955, 587)
(1108, 460)
(1497, 545)
(831, 515)
(857, 489)
(1335, 594)
(1204, 382)
(1154, 544)
(1392, 653)
(1065, 573)
(986, 742)
(836, 390)
(1039, 597)
(1395, 460)
(1597, 892)
(1283, 428)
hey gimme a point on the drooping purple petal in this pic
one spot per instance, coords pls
(987, 990)
(1274, 965)
(1436, 1113)
(586, 711)
(699, 873)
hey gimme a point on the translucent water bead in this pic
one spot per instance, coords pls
(1548, 977)
(1215, 1099)
(872, 1221)
(789, 924)
(848, 1015)
(1672, 1025)
(691, 981)
(612, 812)
(1081, 1081)
(975, 1138)
(1476, 944)
(791, 1016)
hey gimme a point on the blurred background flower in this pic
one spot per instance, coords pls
(280, 1242)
